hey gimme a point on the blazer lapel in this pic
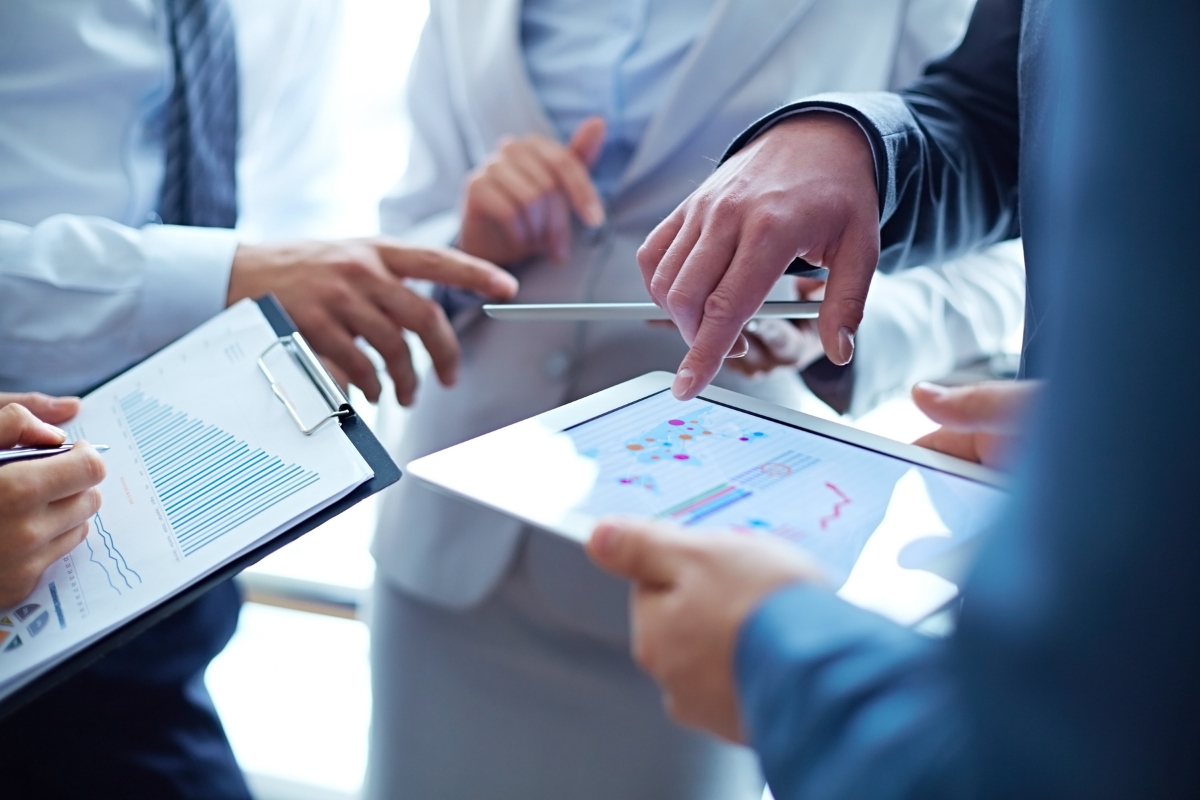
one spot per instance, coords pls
(741, 34)
(485, 41)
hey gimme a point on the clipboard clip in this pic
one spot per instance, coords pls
(337, 402)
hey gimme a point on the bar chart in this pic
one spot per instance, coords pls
(208, 480)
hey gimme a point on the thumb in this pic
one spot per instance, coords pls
(18, 426)
(588, 140)
(994, 407)
(642, 551)
(850, 272)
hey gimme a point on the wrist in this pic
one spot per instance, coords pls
(246, 273)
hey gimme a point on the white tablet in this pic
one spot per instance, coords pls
(610, 312)
(892, 523)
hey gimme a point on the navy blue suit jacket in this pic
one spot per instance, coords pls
(1075, 669)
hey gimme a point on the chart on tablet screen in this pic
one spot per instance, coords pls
(705, 465)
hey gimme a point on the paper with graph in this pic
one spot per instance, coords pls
(205, 464)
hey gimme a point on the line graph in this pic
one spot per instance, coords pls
(208, 480)
(119, 564)
(841, 503)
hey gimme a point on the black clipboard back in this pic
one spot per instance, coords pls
(373, 452)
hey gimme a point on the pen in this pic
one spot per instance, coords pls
(26, 453)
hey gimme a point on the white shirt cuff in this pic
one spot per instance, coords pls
(187, 278)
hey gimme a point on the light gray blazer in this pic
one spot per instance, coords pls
(468, 89)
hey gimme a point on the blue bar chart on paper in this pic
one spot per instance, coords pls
(204, 465)
(207, 480)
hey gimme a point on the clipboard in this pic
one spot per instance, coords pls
(341, 411)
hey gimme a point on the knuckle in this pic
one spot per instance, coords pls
(26, 534)
(353, 269)
(562, 160)
(720, 307)
(426, 316)
(720, 206)
(27, 576)
(94, 468)
(23, 491)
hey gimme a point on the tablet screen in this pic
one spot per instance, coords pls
(704, 464)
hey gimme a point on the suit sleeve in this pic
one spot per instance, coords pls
(840, 703)
(945, 149)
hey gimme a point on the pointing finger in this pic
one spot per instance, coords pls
(18, 425)
(447, 266)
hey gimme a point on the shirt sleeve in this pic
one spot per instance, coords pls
(85, 297)
(946, 149)
(840, 703)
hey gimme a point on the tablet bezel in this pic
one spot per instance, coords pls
(439, 469)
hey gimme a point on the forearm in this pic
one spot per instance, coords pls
(86, 297)
(840, 703)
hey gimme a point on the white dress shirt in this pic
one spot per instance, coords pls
(616, 60)
(87, 284)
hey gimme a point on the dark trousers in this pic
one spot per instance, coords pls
(138, 723)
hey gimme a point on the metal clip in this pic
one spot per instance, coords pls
(294, 344)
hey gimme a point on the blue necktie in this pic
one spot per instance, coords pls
(200, 183)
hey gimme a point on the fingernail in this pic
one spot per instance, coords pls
(62, 403)
(846, 344)
(931, 388)
(596, 215)
(683, 382)
(56, 429)
(504, 285)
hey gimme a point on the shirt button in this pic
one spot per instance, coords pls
(556, 366)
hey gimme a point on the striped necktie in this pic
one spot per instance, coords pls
(200, 184)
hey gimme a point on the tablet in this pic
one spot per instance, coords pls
(606, 312)
(892, 524)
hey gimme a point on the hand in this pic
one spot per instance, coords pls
(775, 343)
(337, 291)
(45, 504)
(518, 203)
(691, 594)
(804, 188)
(980, 423)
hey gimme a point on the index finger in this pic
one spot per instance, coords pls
(18, 425)
(736, 298)
(448, 266)
(574, 179)
(642, 551)
(46, 408)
